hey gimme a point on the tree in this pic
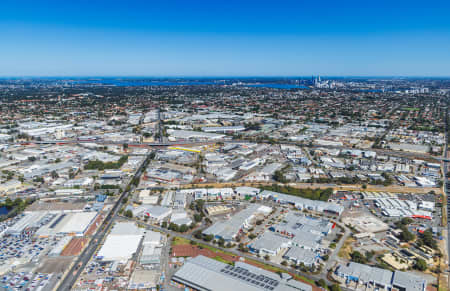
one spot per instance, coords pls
(335, 287)
(39, 180)
(183, 228)
(406, 235)
(128, 213)
(173, 227)
(279, 177)
(369, 255)
(420, 265)
(221, 242)
(406, 221)
(357, 257)
(54, 175)
(428, 240)
(208, 237)
(322, 283)
(198, 234)
(197, 217)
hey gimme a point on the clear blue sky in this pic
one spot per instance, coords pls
(224, 38)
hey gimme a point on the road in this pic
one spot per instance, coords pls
(333, 258)
(160, 127)
(69, 280)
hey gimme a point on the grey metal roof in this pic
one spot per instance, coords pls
(305, 256)
(229, 228)
(409, 281)
(269, 241)
(206, 274)
(126, 228)
(303, 202)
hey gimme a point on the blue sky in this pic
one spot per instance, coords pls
(224, 38)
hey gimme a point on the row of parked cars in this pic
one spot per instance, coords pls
(25, 281)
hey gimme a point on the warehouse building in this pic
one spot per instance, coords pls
(394, 207)
(202, 273)
(303, 203)
(298, 255)
(269, 243)
(379, 278)
(157, 213)
(223, 129)
(121, 243)
(28, 221)
(296, 224)
(230, 229)
(151, 248)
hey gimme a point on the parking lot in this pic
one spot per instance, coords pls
(29, 281)
(24, 248)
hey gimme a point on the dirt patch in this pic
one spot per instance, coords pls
(94, 225)
(346, 248)
(193, 251)
(74, 247)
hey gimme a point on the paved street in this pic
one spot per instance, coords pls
(77, 268)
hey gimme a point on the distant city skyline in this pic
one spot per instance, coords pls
(224, 38)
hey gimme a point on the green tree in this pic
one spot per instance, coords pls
(406, 235)
(208, 237)
(420, 265)
(197, 217)
(357, 257)
(173, 227)
(322, 283)
(183, 228)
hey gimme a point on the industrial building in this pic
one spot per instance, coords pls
(202, 273)
(241, 221)
(121, 243)
(303, 203)
(380, 278)
(151, 248)
(53, 223)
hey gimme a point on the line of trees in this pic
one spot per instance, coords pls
(313, 194)
(99, 165)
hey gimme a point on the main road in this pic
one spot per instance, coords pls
(72, 275)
